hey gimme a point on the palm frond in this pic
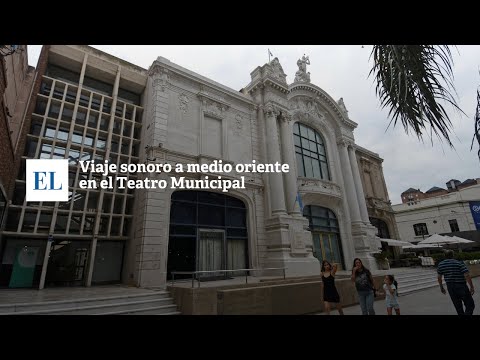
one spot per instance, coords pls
(477, 125)
(410, 81)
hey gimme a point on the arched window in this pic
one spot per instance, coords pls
(382, 228)
(310, 153)
(325, 234)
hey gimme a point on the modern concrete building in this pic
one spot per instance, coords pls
(87, 105)
(454, 211)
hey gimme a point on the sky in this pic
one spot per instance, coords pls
(342, 71)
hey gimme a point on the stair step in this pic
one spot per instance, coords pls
(414, 280)
(89, 309)
(419, 283)
(154, 310)
(44, 305)
(417, 288)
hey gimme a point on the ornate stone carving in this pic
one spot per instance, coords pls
(319, 187)
(305, 107)
(270, 110)
(238, 126)
(302, 75)
(342, 107)
(273, 96)
(214, 109)
(286, 116)
(160, 77)
(183, 102)
(344, 142)
(277, 71)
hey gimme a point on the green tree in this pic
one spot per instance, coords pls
(413, 81)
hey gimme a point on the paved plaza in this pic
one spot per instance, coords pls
(426, 302)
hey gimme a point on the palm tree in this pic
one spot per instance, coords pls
(477, 124)
(412, 81)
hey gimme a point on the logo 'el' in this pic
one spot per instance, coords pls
(47, 180)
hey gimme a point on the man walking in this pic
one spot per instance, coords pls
(456, 276)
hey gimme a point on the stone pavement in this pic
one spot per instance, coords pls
(426, 302)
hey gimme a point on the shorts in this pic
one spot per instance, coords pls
(393, 304)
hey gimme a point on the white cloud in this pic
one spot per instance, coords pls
(342, 71)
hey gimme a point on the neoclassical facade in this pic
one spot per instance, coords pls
(379, 206)
(192, 119)
(87, 104)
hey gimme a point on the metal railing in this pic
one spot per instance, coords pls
(195, 273)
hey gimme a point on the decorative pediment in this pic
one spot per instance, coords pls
(275, 70)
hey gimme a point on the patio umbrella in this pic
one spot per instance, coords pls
(422, 246)
(455, 240)
(393, 242)
(459, 240)
(437, 239)
(425, 247)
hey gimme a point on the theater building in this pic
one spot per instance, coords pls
(89, 105)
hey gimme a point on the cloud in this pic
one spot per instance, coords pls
(342, 71)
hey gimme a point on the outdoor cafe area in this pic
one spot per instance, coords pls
(397, 253)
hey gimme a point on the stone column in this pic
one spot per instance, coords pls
(273, 155)
(349, 184)
(290, 178)
(358, 185)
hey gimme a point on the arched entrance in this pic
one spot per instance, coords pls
(382, 228)
(325, 234)
(208, 231)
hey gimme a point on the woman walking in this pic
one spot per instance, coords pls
(365, 286)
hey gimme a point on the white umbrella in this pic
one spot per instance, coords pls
(422, 246)
(459, 240)
(437, 239)
(393, 242)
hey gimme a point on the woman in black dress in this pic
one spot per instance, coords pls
(330, 293)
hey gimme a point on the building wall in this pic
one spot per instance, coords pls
(375, 189)
(436, 212)
(185, 118)
(16, 79)
(61, 123)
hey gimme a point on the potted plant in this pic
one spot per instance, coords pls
(382, 260)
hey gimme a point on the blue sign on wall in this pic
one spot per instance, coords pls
(475, 208)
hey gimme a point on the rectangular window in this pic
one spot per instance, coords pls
(54, 110)
(29, 220)
(61, 223)
(420, 229)
(41, 106)
(30, 148)
(453, 225)
(63, 74)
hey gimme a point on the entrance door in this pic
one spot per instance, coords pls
(211, 252)
(24, 266)
(326, 247)
(67, 263)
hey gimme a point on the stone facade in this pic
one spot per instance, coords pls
(256, 124)
(183, 117)
(379, 205)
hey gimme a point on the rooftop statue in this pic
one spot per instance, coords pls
(342, 106)
(302, 75)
